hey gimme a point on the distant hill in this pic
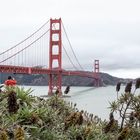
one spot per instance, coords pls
(112, 80)
(42, 80)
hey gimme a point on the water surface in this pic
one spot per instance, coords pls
(94, 100)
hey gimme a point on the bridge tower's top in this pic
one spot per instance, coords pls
(96, 73)
(96, 66)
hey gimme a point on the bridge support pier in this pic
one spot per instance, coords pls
(55, 76)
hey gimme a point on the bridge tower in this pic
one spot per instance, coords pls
(96, 73)
(55, 75)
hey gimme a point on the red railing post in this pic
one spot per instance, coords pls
(55, 75)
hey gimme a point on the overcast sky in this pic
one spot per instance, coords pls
(108, 30)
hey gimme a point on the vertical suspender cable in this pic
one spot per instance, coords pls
(71, 47)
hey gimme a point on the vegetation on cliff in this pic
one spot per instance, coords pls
(25, 117)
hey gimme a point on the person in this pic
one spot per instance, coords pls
(10, 81)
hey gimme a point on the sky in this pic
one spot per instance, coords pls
(107, 30)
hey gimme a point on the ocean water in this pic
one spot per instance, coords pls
(93, 100)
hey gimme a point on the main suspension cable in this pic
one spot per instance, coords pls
(71, 47)
(25, 38)
(69, 58)
(25, 47)
(67, 53)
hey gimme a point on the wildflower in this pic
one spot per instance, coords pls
(137, 83)
(124, 133)
(128, 87)
(118, 86)
(19, 133)
(12, 102)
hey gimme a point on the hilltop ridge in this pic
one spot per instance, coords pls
(42, 80)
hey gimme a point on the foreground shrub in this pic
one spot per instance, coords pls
(35, 118)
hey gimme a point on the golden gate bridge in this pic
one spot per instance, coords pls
(30, 56)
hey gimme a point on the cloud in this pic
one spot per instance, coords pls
(106, 30)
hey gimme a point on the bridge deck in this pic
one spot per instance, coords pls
(32, 70)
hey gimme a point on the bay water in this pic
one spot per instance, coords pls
(90, 99)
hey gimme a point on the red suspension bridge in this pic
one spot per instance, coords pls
(30, 56)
